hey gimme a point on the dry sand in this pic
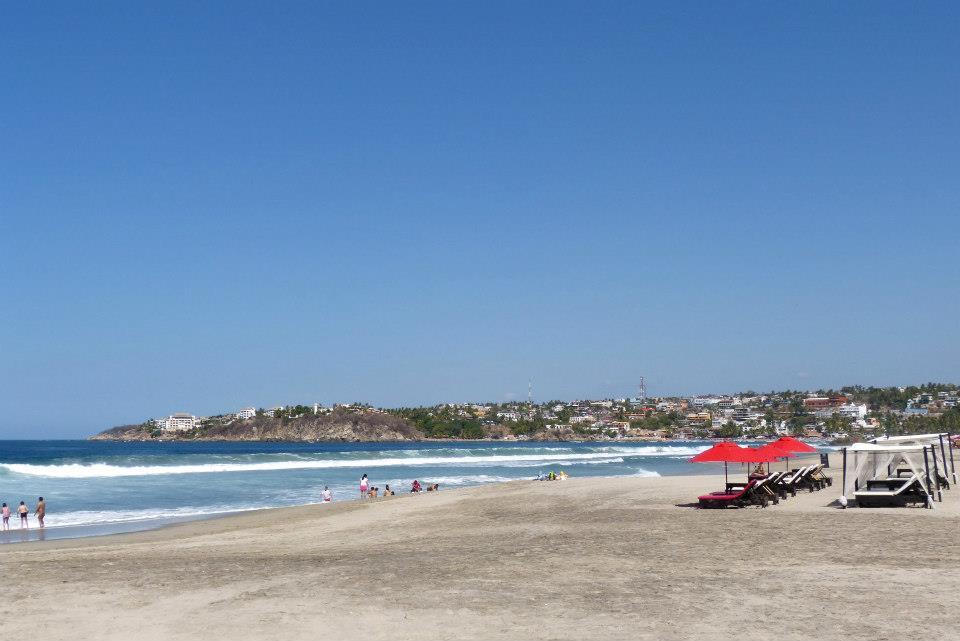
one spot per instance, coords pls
(579, 559)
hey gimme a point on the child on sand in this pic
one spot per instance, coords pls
(6, 516)
(23, 511)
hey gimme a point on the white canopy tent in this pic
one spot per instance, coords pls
(942, 449)
(864, 462)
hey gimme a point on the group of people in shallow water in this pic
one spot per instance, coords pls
(24, 512)
(368, 491)
(552, 476)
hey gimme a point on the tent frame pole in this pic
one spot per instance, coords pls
(936, 472)
(953, 467)
(926, 481)
(843, 487)
(943, 453)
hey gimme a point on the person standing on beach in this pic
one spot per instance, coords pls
(364, 486)
(327, 494)
(23, 511)
(6, 516)
(41, 510)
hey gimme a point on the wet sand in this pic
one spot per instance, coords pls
(580, 559)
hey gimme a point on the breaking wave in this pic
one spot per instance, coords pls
(102, 470)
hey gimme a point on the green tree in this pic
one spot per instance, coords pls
(730, 430)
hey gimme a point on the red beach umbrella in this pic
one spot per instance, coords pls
(776, 450)
(727, 452)
(793, 445)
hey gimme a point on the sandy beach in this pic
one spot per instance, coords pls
(595, 558)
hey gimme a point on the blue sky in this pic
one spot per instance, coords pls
(206, 206)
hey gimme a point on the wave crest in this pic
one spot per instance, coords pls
(105, 470)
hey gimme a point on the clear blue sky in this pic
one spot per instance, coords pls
(206, 206)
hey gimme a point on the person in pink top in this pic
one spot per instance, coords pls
(6, 516)
(364, 486)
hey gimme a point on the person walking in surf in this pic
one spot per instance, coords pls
(364, 486)
(41, 510)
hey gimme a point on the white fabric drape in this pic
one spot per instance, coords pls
(867, 461)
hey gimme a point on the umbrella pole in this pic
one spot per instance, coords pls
(725, 479)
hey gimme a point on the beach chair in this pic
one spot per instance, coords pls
(791, 480)
(764, 488)
(804, 480)
(737, 498)
(821, 476)
(775, 483)
(814, 479)
(761, 490)
(892, 492)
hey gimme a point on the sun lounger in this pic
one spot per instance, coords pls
(777, 484)
(761, 488)
(792, 480)
(736, 498)
(818, 478)
(821, 476)
(898, 491)
(806, 480)
(780, 482)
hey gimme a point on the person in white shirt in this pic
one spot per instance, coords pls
(327, 494)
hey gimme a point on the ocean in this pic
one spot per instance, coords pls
(99, 487)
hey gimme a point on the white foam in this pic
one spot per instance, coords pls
(645, 473)
(469, 479)
(101, 470)
(654, 450)
(599, 461)
(99, 517)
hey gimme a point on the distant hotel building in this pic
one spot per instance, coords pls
(178, 422)
(247, 412)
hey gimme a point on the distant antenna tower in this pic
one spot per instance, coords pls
(529, 391)
(643, 390)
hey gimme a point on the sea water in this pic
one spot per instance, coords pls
(94, 487)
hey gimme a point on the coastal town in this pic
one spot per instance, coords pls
(841, 416)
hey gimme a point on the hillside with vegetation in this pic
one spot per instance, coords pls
(848, 414)
(336, 425)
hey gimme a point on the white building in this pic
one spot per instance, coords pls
(854, 411)
(704, 401)
(247, 412)
(179, 422)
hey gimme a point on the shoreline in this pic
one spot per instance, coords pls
(585, 558)
(53, 532)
